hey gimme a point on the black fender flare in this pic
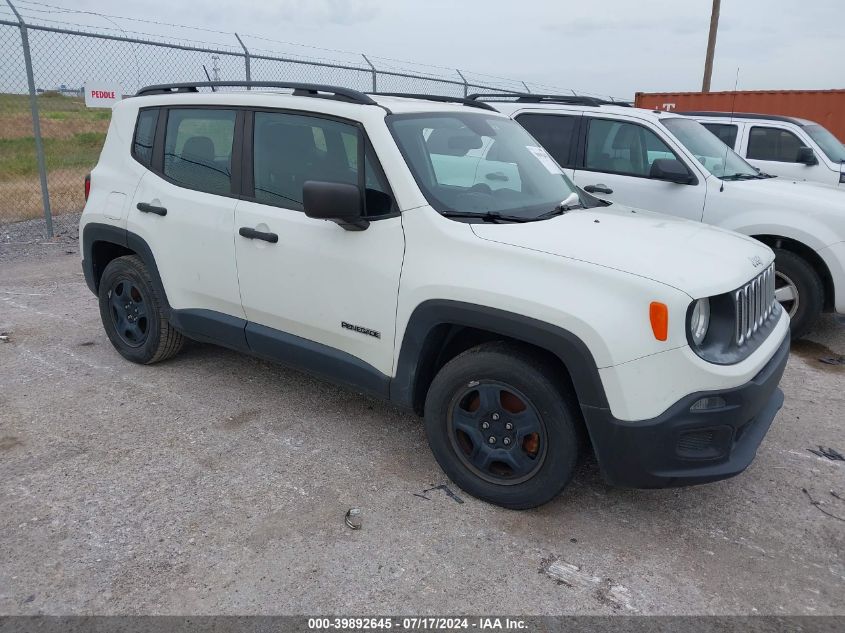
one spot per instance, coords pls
(566, 346)
(97, 232)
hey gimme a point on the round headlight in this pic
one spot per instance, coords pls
(700, 320)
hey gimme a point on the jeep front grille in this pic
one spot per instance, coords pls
(754, 304)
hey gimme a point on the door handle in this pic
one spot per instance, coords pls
(598, 189)
(145, 207)
(252, 234)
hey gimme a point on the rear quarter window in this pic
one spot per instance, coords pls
(145, 128)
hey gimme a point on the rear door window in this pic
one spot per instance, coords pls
(198, 148)
(556, 133)
(725, 132)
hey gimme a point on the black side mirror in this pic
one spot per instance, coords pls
(336, 201)
(672, 170)
(807, 156)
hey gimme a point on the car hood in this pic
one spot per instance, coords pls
(794, 193)
(697, 259)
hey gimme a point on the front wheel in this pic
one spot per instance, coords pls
(799, 290)
(501, 427)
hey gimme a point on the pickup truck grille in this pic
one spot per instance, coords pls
(754, 304)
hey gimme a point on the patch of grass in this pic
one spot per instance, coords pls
(73, 137)
(17, 156)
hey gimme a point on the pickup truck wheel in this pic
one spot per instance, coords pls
(501, 428)
(799, 291)
(130, 309)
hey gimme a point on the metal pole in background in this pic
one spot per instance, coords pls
(375, 88)
(36, 122)
(246, 59)
(711, 46)
(464, 79)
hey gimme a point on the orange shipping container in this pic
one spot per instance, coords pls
(826, 107)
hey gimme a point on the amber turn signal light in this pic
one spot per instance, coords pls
(658, 314)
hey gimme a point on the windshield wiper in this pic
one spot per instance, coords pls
(559, 210)
(741, 177)
(487, 216)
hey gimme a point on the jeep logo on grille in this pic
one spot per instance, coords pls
(361, 330)
(756, 261)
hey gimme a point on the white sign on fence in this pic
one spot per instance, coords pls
(101, 95)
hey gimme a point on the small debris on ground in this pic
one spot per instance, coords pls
(833, 360)
(4, 337)
(353, 518)
(829, 453)
(819, 504)
(444, 488)
(568, 574)
(604, 589)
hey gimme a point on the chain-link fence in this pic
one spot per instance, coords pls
(49, 140)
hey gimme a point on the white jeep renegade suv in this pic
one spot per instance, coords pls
(432, 254)
(665, 162)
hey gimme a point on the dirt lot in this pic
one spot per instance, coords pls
(216, 483)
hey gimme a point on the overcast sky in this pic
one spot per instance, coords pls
(612, 47)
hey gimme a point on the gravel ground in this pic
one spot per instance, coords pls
(29, 238)
(217, 483)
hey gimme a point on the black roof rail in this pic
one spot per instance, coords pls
(299, 89)
(742, 115)
(439, 98)
(527, 97)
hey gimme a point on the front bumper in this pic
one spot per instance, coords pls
(683, 447)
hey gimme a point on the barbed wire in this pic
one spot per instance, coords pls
(385, 63)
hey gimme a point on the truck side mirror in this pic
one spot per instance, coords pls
(670, 169)
(807, 156)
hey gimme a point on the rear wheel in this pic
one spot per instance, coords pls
(501, 427)
(799, 290)
(131, 311)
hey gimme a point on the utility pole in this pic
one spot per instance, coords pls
(711, 46)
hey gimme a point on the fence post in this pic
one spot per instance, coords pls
(36, 122)
(247, 60)
(375, 72)
(464, 79)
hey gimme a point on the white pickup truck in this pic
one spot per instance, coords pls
(784, 146)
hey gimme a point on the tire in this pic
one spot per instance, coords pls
(794, 276)
(130, 308)
(534, 466)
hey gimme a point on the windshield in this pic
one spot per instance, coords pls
(829, 144)
(717, 158)
(479, 164)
